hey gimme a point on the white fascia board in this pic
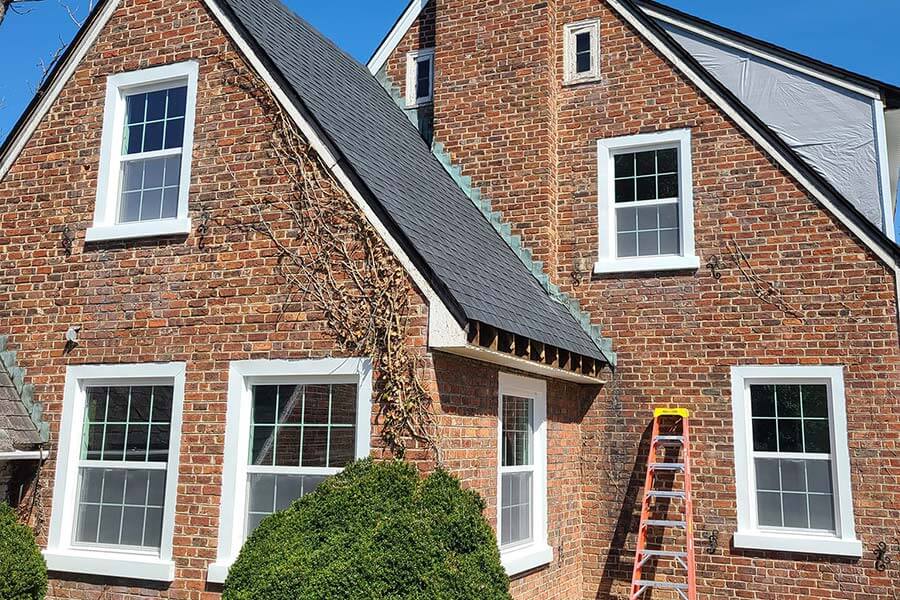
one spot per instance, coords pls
(443, 328)
(783, 61)
(884, 169)
(65, 73)
(396, 34)
(509, 361)
(750, 130)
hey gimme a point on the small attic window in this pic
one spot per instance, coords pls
(582, 52)
(420, 77)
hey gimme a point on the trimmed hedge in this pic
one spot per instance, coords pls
(23, 572)
(375, 531)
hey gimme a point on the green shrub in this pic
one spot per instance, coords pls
(23, 572)
(375, 531)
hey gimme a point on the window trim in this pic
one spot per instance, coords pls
(61, 554)
(412, 60)
(749, 535)
(242, 375)
(106, 224)
(525, 557)
(571, 31)
(607, 149)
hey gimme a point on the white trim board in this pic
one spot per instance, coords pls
(393, 38)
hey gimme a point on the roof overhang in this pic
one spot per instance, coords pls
(395, 35)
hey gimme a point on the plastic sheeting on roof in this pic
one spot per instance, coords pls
(833, 129)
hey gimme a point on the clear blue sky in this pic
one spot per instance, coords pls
(860, 36)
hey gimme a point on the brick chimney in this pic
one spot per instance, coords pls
(495, 108)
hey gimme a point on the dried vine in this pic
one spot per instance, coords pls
(764, 290)
(329, 253)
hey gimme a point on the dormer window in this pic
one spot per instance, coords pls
(582, 52)
(145, 161)
(420, 77)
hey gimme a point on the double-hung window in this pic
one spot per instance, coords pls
(113, 506)
(522, 474)
(792, 460)
(582, 52)
(646, 203)
(290, 425)
(146, 153)
(420, 77)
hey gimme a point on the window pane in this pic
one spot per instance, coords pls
(133, 176)
(177, 102)
(516, 494)
(134, 139)
(767, 475)
(423, 78)
(668, 216)
(153, 173)
(156, 105)
(343, 404)
(133, 526)
(262, 449)
(795, 510)
(96, 403)
(816, 436)
(769, 508)
(265, 402)
(669, 242)
(287, 451)
(645, 163)
(156, 492)
(648, 218)
(159, 443)
(317, 398)
(793, 475)
(136, 445)
(262, 493)
(343, 446)
(624, 165)
(94, 443)
(315, 442)
(290, 404)
(151, 205)
(153, 528)
(88, 519)
(788, 399)
(762, 399)
(668, 186)
(626, 219)
(153, 136)
(91, 485)
(626, 245)
(583, 42)
(287, 489)
(268, 493)
(821, 512)
(170, 203)
(162, 404)
(625, 190)
(139, 410)
(110, 524)
(667, 160)
(790, 437)
(117, 409)
(113, 486)
(583, 62)
(648, 243)
(174, 134)
(818, 476)
(114, 442)
(646, 188)
(173, 171)
(135, 105)
(765, 435)
(815, 401)
(136, 487)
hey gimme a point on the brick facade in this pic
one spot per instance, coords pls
(208, 300)
(529, 144)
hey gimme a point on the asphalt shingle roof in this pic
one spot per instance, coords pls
(17, 430)
(478, 269)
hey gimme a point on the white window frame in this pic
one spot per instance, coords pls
(61, 554)
(242, 376)
(519, 558)
(749, 534)
(607, 149)
(412, 61)
(571, 31)
(106, 224)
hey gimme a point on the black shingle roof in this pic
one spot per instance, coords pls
(467, 261)
(17, 430)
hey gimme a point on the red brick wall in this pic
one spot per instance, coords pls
(209, 301)
(677, 334)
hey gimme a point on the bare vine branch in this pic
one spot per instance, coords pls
(764, 290)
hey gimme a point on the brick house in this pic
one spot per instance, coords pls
(592, 164)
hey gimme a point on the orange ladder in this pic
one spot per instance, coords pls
(684, 559)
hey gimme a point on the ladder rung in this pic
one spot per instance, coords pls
(667, 466)
(663, 553)
(665, 585)
(661, 494)
(669, 440)
(661, 523)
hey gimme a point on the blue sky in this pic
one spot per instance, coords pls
(860, 36)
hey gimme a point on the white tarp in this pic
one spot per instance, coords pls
(832, 128)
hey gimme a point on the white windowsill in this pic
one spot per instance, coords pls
(125, 231)
(526, 558)
(217, 572)
(650, 263)
(110, 564)
(584, 79)
(810, 544)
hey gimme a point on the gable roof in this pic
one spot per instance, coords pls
(636, 13)
(477, 275)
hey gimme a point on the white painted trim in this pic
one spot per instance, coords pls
(412, 77)
(106, 211)
(61, 554)
(65, 73)
(607, 149)
(749, 532)
(24, 455)
(570, 77)
(520, 558)
(393, 39)
(443, 328)
(520, 364)
(873, 93)
(884, 170)
(242, 375)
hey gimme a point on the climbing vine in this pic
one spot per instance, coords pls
(328, 252)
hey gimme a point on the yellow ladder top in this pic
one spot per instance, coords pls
(671, 412)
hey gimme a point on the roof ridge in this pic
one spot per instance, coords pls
(24, 391)
(504, 230)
